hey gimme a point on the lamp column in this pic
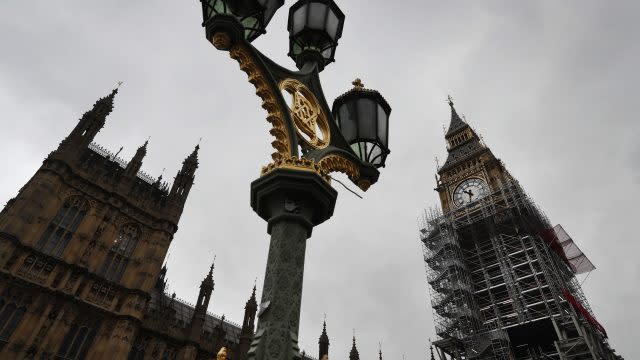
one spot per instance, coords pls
(292, 201)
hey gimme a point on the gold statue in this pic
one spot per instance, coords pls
(222, 354)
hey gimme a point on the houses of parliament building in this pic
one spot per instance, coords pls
(82, 247)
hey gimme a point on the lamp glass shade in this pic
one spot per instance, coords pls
(254, 15)
(315, 25)
(333, 24)
(299, 19)
(363, 118)
(383, 125)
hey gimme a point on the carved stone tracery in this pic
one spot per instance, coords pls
(36, 268)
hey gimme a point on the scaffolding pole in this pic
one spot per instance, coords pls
(492, 274)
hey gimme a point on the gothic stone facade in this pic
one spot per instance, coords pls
(81, 252)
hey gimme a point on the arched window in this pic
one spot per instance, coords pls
(120, 252)
(10, 316)
(61, 229)
(76, 343)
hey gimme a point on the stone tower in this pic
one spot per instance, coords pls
(82, 246)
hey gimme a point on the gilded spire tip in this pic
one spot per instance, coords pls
(357, 84)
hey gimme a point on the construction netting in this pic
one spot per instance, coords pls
(562, 244)
(582, 311)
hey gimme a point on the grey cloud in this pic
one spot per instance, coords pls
(550, 85)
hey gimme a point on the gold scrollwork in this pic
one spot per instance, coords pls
(293, 163)
(221, 41)
(269, 100)
(323, 168)
(307, 115)
(310, 121)
(339, 163)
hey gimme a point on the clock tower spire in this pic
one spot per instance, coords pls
(471, 170)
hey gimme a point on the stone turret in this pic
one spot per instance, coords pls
(184, 181)
(200, 311)
(248, 325)
(354, 355)
(89, 124)
(323, 342)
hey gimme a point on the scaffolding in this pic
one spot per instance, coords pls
(502, 283)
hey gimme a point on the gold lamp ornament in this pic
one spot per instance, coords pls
(222, 354)
(309, 119)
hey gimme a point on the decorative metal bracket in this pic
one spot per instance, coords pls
(308, 124)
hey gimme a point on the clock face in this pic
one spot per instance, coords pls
(470, 190)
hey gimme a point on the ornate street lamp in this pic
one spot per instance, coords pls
(314, 29)
(293, 193)
(253, 15)
(363, 117)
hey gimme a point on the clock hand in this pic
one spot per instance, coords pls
(470, 193)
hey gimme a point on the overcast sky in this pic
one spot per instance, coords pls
(550, 85)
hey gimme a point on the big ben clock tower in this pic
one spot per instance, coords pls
(471, 171)
(503, 279)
